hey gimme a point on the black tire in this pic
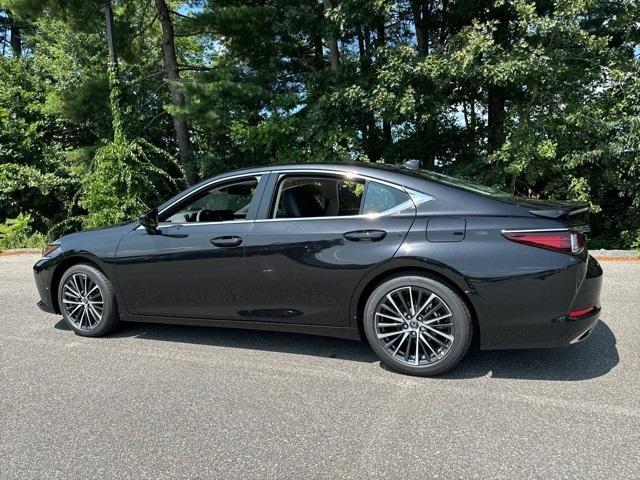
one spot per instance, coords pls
(461, 327)
(109, 319)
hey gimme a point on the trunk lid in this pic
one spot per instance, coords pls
(572, 214)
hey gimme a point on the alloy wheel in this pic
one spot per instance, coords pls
(414, 326)
(83, 301)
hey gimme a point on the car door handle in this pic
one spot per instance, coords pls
(365, 235)
(229, 241)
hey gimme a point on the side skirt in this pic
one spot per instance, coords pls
(326, 331)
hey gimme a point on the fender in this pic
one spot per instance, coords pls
(397, 264)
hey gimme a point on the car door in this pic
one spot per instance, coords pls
(194, 267)
(316, 237)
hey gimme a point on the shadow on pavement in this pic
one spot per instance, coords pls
(594, 357)
(246, 339)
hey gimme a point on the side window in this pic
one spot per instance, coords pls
(381, 198)
(318, 197)
(225, 203)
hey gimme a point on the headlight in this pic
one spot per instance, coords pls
(52, 247)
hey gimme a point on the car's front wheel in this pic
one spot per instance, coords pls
(417, 325)
(87, 302)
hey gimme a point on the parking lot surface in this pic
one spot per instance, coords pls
(160, 401)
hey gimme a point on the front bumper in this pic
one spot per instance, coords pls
(45, 307)
(43, 272)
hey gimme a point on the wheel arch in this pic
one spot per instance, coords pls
(63, 266)
(453, 280)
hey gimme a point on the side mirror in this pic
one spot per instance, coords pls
(149, 221)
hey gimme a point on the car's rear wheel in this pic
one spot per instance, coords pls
(417, 325)
(87, 302)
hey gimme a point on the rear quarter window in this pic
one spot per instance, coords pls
(380, 198)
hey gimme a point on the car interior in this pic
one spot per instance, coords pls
(318, 197)
(226, 203)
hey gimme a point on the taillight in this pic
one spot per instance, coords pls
(564, 241)
(581, 312)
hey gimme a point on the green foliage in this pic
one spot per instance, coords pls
(35, 179)
(124, 175)
(538, 97)
(123, 182)
(17, 233)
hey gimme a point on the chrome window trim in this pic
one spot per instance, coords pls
(197, 224)
(194, 224)
(418, 198)
(368, 216)
(398, 208)
(348, 174)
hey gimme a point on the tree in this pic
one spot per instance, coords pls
(334, 52)
(535, 97)
(177, 97)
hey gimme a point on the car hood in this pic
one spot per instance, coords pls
(116, 230)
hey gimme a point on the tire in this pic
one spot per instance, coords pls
(92, 315)
(439, 328)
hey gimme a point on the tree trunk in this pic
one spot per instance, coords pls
(362, 54)
(387, 138)
(386, 132)
(111, 44)
(495, 118)
(177, 97)
(420, 11)
(316, 39)
(16, 37)
(363, 120)
(334, 53)
(318, 55)
(422, 40)
(114, 88)
(382, 33)
(496, 97)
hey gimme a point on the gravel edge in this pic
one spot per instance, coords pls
(20, 251)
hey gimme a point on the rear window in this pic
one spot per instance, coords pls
(460, 183)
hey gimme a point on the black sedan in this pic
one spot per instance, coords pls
(415, 262)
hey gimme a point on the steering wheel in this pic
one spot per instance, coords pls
(206, 215)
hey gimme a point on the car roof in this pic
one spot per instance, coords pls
(341, 166)
(390, 173)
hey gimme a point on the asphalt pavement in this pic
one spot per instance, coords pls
(160, 401)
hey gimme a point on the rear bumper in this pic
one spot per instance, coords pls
(575, 330)
(547, 324)
(558, 332)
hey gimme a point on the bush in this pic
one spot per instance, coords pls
(17, 233)
(124, 181)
